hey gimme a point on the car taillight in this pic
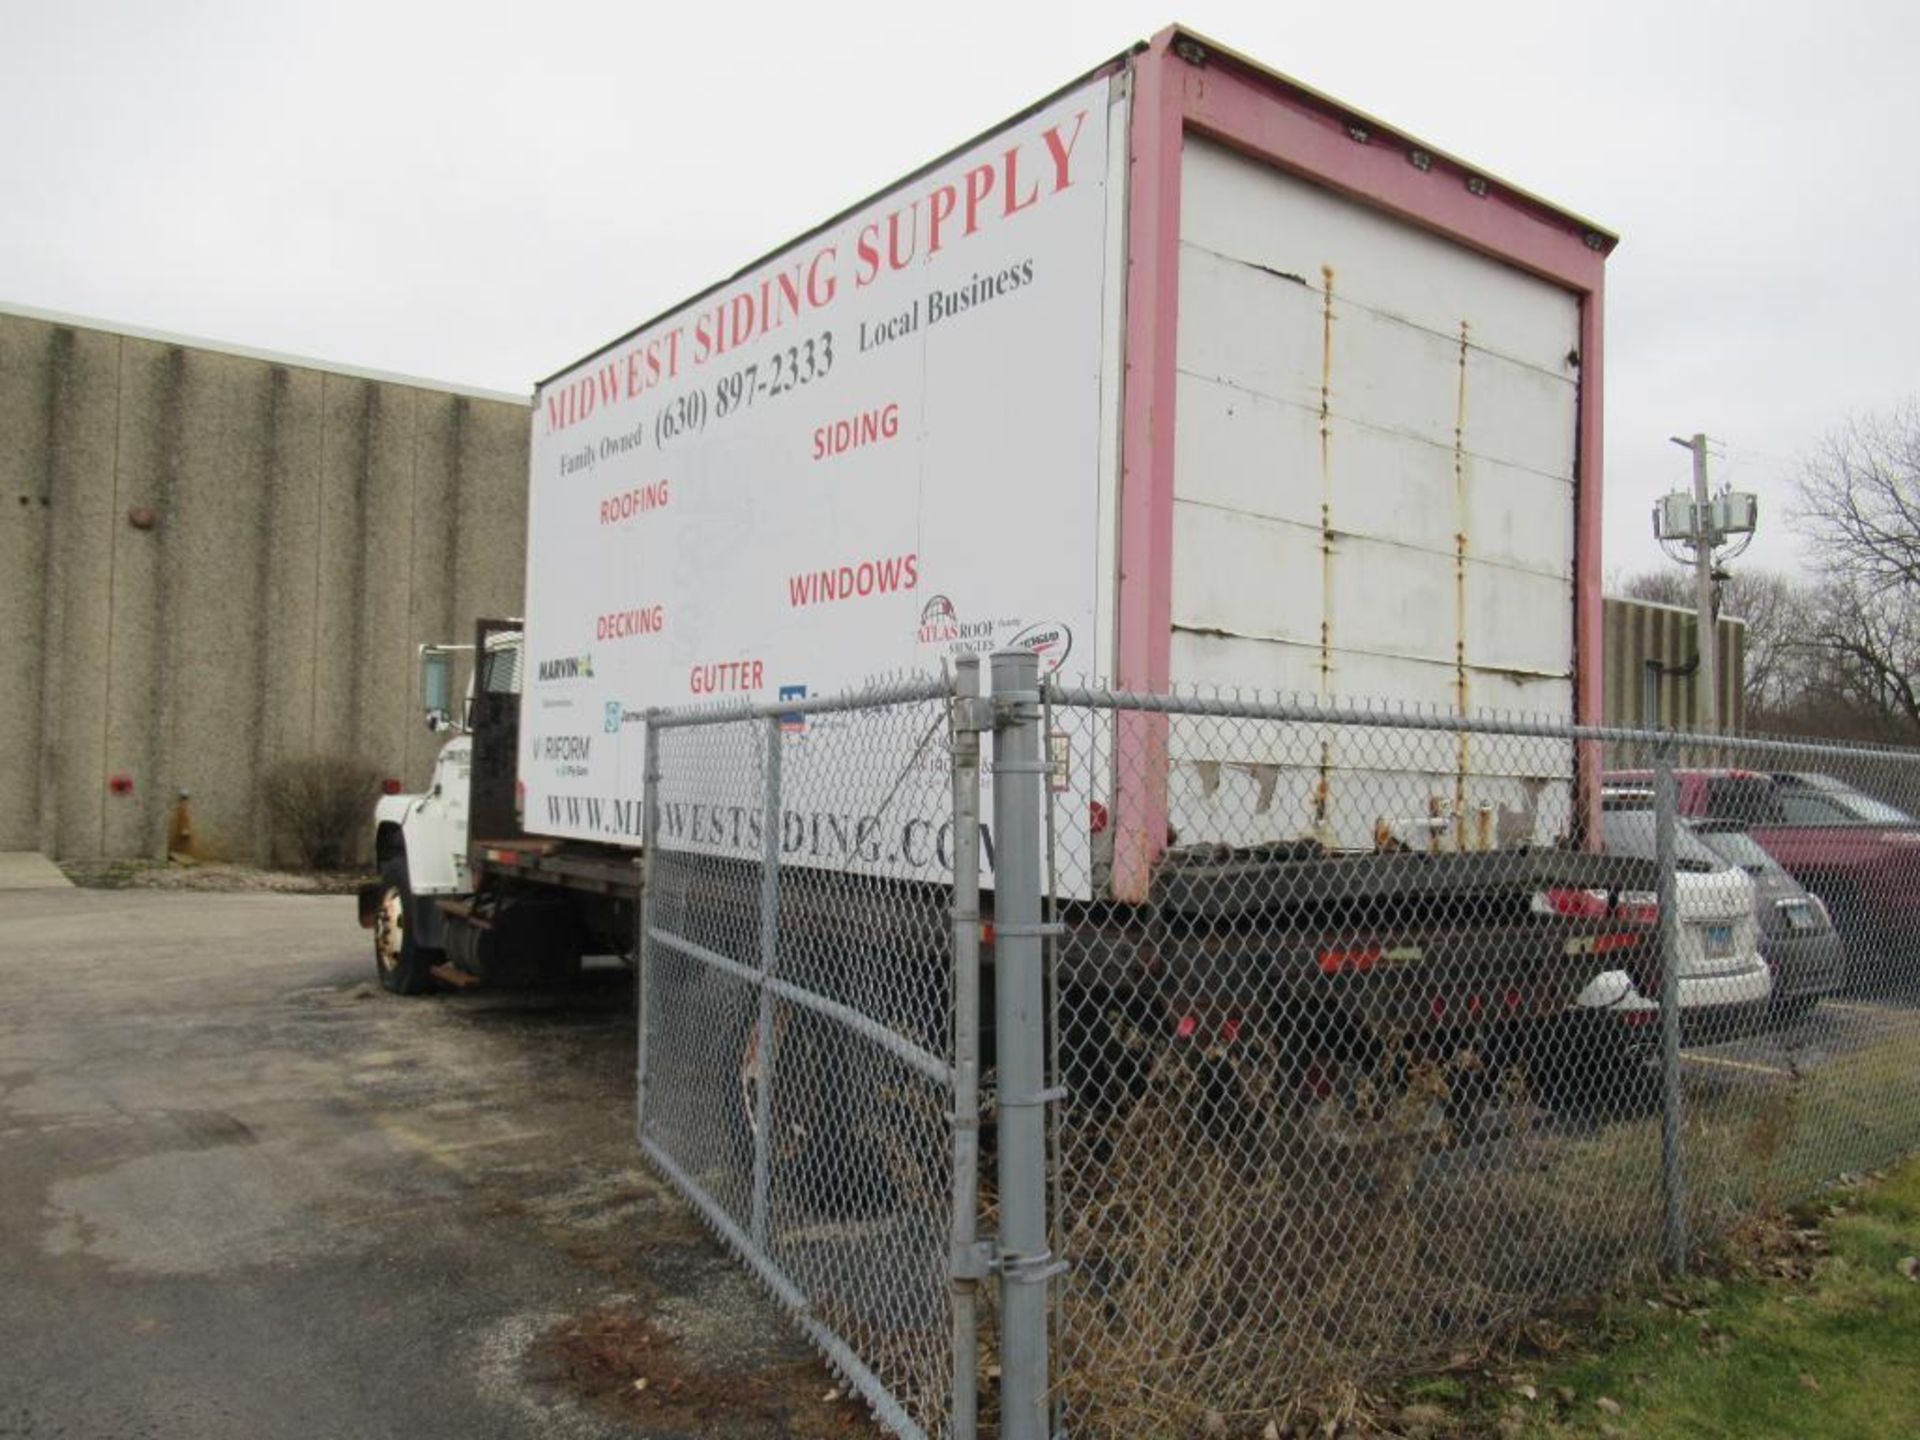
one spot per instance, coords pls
(1638, 907)
(1349, 962)
(390, 785)
(1581, 904)
(1188, 1026)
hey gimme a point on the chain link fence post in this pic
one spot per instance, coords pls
(1673, 1183)
(1025, 1265)
(968, 1262)
(770, 823)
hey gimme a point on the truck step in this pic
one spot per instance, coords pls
(464, 910)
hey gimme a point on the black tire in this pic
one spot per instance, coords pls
(819, 1144)
(1793, 1009)
(404, 968)
(1867, 972)
(1594, 1075)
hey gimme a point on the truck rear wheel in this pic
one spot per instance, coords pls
(404, 967)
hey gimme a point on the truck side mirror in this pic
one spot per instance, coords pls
(436, 687)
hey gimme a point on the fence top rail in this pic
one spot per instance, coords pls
(905, 691)
(1237, 707)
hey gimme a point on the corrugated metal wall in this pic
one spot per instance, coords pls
(309, 528)
(1639, 631)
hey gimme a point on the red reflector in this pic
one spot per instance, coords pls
(986, 932)
(1230, 1031)
(1618, 940)
(1576, 902)
(1473, 1005)
(1187, 1025)
(390, 786)
(1513, 999)
(1639, 1017)
(1358, 962)
(1096, 817)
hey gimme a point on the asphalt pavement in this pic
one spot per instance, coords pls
(244, 1193)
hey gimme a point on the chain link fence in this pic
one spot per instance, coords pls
(797, 1017)
(1293, 1050)
(1411, 1027)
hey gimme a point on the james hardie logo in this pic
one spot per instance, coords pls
(567, 667)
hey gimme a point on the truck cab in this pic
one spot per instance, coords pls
(421, 840)
(465, 897)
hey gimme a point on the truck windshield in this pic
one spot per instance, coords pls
(1631, 832)
(1842, 800)
(1872, 811)
(1737, 847)
(1750, 799)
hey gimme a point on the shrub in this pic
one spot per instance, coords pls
(319, 807)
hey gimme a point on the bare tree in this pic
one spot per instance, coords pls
(1663, 587)
(1860, 509)
(1860, 499)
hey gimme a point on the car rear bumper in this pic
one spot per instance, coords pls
(1806, 967)
(1713, 1008)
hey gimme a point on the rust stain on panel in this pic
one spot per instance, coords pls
(1462, 696)
(1321, 790)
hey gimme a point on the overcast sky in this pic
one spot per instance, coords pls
(480, 193)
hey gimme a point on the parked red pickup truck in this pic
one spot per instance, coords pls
(1858, 854)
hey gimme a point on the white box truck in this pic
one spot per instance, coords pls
(1187, 375)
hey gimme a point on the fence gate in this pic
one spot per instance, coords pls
(797, 1065)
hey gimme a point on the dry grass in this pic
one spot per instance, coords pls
(1229, 1277)
(617, 1356)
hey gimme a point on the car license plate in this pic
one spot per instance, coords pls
(1719, 940)
(1798, 914)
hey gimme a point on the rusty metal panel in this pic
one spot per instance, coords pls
(1374, 482)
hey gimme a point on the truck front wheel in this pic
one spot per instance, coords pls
(404, 968)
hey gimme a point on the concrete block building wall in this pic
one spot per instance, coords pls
(212, 559)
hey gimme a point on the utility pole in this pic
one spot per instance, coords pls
(1707, 681)
(1704, 523)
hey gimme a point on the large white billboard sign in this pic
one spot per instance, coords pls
(875, 451)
